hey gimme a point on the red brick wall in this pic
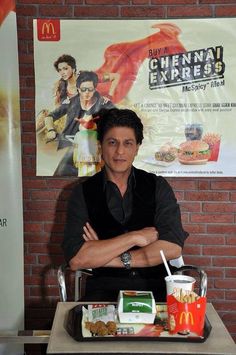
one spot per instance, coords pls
(208, 204)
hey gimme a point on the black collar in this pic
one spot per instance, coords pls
(131, 178)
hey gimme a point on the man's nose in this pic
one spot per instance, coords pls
(120, 148)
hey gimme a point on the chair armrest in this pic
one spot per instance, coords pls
(61, 279)
(202, 275)
(79, 281)
(61, 282)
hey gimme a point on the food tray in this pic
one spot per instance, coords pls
(75, 326)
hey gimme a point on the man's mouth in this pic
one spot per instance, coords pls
(119, 160)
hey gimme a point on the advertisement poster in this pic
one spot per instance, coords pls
(11, 212)
(177, 75)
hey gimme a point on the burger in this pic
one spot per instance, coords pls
(194, 152)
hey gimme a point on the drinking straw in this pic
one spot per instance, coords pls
(166, 265)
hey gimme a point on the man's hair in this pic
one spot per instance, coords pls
(119, 118)
(65, 58)
(87, 76)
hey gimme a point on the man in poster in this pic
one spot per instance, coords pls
(82, 157)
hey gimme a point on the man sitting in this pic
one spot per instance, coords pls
(119, 219)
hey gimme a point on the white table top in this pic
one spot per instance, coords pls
(60, 342)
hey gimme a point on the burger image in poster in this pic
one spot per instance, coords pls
(193, 152)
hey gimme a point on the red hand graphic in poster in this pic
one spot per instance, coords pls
(126, 58)
(5, 7)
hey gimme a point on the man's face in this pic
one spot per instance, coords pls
(119, 148)
(65, 70)
(86, 90)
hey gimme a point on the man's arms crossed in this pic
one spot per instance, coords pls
(106, 253)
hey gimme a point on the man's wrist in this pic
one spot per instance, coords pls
(126, 259)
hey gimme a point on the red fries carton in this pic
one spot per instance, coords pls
(187, 313)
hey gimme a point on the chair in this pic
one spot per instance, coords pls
(81, 275)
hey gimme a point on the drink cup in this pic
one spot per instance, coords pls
(176, 282)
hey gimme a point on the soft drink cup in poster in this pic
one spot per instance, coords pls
(193, 131)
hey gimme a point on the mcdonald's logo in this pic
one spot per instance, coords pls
(186, 317)
(48, 30)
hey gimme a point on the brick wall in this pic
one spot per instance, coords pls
(208, 204)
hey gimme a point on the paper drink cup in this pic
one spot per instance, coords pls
(176, 282)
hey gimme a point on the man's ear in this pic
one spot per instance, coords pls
(137, 149)
(99, 147)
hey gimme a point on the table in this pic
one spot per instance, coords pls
(60, 342)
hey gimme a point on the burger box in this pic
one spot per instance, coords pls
(136, 307)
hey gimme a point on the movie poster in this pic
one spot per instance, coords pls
(177, 75)
(11, 210)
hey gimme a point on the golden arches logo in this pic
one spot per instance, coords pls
(48, 28)
(186, 316)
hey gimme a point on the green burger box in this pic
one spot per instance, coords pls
(136, 307)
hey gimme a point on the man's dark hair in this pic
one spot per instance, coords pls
(65, 58)
(87, 76)
(116, 117)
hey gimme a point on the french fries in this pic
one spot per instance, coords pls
(184, 296)
(211, 138)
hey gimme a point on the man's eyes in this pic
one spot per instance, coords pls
(126, 143)
(112, 142)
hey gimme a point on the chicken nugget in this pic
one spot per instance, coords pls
(111, 327)
(102, 331)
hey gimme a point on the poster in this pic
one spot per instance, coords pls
(177, 75)
(11, 211)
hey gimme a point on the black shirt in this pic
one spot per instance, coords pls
(167, 213)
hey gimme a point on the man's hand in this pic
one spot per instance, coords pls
(89, 233)
(51, 135)
(145, 236)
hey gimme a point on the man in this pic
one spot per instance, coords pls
(79, 112)
(119, 219)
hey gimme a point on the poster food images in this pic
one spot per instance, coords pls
(177, 75)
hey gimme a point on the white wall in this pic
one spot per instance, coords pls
(11, 212)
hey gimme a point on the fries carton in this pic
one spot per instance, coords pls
(213, 140)
(186, 313)
(136, 307)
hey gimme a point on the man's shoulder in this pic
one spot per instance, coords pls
(147, 175)
(92, 180)
(144, 178)
(79, 187)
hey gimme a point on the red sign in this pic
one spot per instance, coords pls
(48, 30)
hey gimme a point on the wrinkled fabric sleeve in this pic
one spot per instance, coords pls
(59, 112)
(167, 218)
(76, 218)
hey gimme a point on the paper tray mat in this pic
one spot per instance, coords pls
(75, 326)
